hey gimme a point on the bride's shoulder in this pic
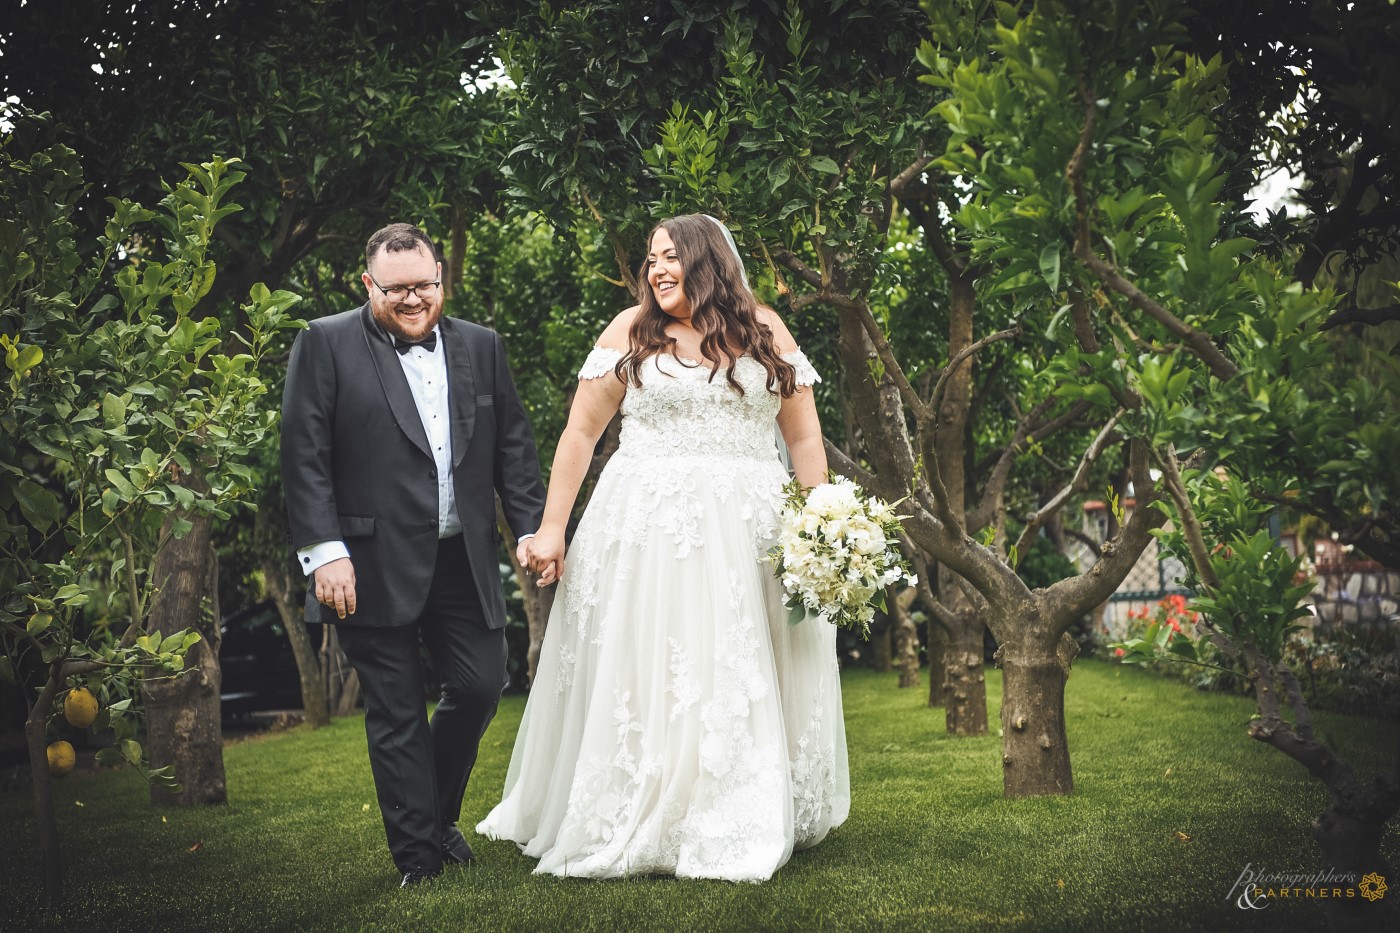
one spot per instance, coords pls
(615, 335)
(783, 340)
(610, 346)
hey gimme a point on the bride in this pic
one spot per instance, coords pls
(678, 724)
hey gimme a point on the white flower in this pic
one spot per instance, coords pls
(836, 550)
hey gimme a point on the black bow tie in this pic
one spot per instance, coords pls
(428, 343)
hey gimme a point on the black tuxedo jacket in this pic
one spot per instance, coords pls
(356, 465)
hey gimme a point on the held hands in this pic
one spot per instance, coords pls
(335, 586)
(543, 555)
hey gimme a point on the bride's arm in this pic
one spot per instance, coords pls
(595, 403)
(594, 406)
(802, 432)
(797, 418)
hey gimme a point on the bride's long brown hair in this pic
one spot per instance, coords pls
(722, 309)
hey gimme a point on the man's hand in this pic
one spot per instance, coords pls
(546, 556)
(335, 586)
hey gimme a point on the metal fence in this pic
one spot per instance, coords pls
(1358, 595)
(1152, 579)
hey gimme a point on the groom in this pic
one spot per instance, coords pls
(398, 424)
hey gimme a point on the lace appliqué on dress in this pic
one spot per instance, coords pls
(806, 373)
(600, 362)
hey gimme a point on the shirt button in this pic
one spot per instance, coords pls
(432, 474)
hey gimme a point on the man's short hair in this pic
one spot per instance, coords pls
(398, 238)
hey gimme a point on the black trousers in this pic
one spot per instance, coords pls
(420, 767)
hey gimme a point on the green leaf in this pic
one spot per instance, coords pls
(7, 670)
(111, 755)
(1050, 265)
(173, 642)
(824, 164)
(41, 507)
(25, 360)
(113, 411)
(120, 483)
(796, 614)
(131, 751)
(39, 623)
(184, 497)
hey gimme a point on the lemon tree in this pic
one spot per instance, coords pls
(116, 392)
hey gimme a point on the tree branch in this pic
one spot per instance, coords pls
(903, 184)
(1066, 417)
(847, 466)
(1199, 342)
(1190, 524)
(1057, 501)
(1068, 599)
(138, 620)
(995, 487)
(1355, 315)
(966, 352)
(628, 278)
(796, 266)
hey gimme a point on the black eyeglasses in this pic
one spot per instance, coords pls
(401, 292)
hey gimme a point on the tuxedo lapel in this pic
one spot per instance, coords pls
(394, 382)
(462, 391)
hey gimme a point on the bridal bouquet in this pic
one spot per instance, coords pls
(837, 552)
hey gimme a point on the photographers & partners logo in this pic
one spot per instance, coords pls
(1256, 889)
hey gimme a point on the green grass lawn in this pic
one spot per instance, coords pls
(1172, 801)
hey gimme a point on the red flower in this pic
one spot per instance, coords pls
(1118, 652)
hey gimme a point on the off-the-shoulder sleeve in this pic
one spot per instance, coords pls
(806, 373)
(599, 363)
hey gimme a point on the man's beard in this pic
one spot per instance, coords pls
(389, 320)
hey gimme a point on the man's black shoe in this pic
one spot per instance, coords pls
(455, 850)
(416, 876)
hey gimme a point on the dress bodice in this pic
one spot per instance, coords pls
(685, 409)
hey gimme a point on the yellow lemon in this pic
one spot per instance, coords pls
(80, 707)
(61, 759)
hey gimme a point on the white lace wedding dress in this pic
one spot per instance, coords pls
(678, 724)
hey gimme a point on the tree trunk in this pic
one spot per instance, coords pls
(538, 600)
(964, 682)
(882, 644)
(183, 724)
(905, 633)
(908, 642)
(1035, 749)
(342, 681)
(456, 253)
(315, 706)
(277, 578)
(937, 660)
(36, 738)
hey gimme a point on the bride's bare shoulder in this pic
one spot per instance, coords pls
(782, 338)
(614, 336)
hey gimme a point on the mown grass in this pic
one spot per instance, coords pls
(1171, 802)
